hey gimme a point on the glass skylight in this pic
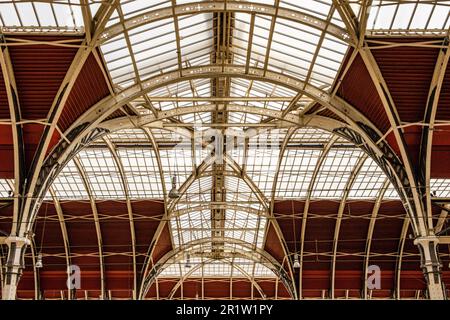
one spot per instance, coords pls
(141, 172)
(335, 172)
(420, 17)
(368, 182)
(41, 16)
(102, 173)
(314, 162)
(296, 172)
(210, 268)
(69, 183)
(5, 189)
(262, 158)
(440, 188)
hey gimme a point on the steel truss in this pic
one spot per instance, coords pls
(357, 129)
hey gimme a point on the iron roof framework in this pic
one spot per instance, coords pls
(235, 67)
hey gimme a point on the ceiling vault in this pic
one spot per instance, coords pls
(225, 72)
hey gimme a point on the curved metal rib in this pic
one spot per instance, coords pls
(340, 214)
(322, 157)
(124, 180)
(97, 225)
(373, 220)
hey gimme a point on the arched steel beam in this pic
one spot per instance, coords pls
(340, 214)
(413, 196)
(398, 263)
(203, 263)
(322, 157)
(428, 130)
(148, 259)
(227, 6)
(65, 235)
(250, 183)
(414, 203)
(108, 105)
(119, 164)
(373, 220)
(98, 230)
(274, 221)
(103, 14)
(284, 121)
(17, 132)
(13, 271)
(249, 253)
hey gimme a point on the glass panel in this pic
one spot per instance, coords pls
(38, 16)
(368, 182)
(335, 172)
(102, 174)
(262, 158)
(141, 173)
(440, 188)
(224, 268)
(415, 17)
(5, 189)
(69, 185)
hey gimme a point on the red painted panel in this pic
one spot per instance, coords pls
(89, 88)
(407, 71)
(39, 71)
(358, 89)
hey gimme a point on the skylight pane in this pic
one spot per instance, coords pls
(69, 185)
(141, 173)
(4, 188)
(102, 174)
(335, 172)
(262, 159)
(9, 15)
(38, 16)
(196, 37)
(414, 17)
(440, 188)
(154, 47)
(318, 9)
(26, 13)
(369, 181)
(296, 172)
(293, 47)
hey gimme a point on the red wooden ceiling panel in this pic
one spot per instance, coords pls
(39, 70)
(89, 88)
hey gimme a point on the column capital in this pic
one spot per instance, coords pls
(424, 240)
(19, 241)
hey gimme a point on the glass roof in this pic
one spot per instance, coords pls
(198, 261)
(48, 16)
(304, 40)
(420, 17)
(199, 267)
